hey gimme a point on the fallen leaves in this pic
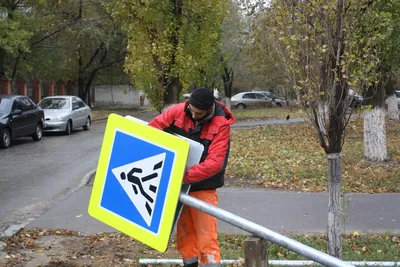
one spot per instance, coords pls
(117, 249)
(289, 157)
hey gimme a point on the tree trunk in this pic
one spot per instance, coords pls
(323, 116)
(375, 134)
(227, 77)
(172, 91)
(86, 94)
(335, 206)
(393, 110)
(2, 63)
(374, 124)
(81, 74)
(227, 102)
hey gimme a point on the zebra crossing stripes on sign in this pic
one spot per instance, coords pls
(138, 180)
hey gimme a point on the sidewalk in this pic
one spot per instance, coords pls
(147, 115)
(280, 211)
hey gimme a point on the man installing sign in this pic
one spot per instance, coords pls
(207, 121)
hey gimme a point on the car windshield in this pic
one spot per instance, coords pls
(4, 104)
(54, 103)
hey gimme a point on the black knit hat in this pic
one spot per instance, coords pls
(202, 98)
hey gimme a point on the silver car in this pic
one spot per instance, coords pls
(250, 99)
(279, 101)
(398, 98)
(65, 113)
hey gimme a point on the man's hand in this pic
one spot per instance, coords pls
(185, 179)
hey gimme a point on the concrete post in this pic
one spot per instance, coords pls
(5, 87)
(255, 252)
(61, 88)
(22, 87)
(50, 88)
(36, 91)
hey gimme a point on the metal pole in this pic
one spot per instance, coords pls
(262, 232)
(276, 262)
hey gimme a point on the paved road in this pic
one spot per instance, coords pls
(35, 174)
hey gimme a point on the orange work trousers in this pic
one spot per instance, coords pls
(197, 232)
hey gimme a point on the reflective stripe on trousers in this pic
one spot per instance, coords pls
(197, 232)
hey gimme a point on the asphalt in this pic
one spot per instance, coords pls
(280, 211)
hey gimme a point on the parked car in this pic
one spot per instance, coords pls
(19, 116)
(279, 101)
(215, 93)
(65, 113)
(250, 99)
(356, 100)
(398, 98)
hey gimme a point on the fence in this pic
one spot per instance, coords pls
(36, 89)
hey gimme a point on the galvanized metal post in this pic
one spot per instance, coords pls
(263, 232)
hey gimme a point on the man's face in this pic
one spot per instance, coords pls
(198, 114)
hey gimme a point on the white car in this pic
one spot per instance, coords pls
(65, 113)
(398, 98)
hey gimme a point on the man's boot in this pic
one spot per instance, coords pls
(194, 264)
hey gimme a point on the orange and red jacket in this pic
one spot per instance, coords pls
(213, 133)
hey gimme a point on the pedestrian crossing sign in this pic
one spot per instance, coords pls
(138, 180)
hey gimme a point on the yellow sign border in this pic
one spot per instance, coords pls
(174, 143)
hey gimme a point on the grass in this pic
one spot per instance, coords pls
(289, 157)
(267, 113)
(69, 248)
(356, 247)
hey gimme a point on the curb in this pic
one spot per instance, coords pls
(99, 119)
(12, 229)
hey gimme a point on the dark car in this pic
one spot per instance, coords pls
(19, 116)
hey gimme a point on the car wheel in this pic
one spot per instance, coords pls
(37, 136)
(278, 104)
(87, 124)
(241, 106)
(5, 140)
(68, 129)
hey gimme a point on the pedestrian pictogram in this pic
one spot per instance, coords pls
(141, 183)
(138, 180)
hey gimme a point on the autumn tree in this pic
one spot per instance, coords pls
(392, 61)
(14, 37)
(68, 40)
(267, 53)
(234, 39)
(322, 55)
(170, 43)
(373, 65)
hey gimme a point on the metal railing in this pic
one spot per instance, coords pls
(262, 232)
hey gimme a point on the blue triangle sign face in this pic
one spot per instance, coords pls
(140, 180)
(137, 180)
